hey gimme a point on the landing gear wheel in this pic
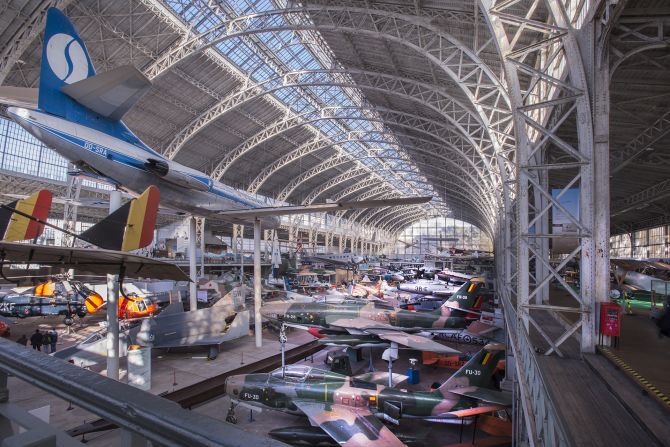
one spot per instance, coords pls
(230, 417)
(213, 352)
(68, 320)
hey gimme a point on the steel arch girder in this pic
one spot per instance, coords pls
(330, 164)
(314, 171)
(316, 145)
(469, 200)
(331, 183)
(474, 217)
(295, 121)
(489, 99)
(379, 214)
(326, 142)
(423, 34)
(401, 220)
(439, 100)
(26, 34)
(434, 153)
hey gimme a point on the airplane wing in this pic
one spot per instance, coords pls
(391, 333)
(413, 341)
(348, 426)
(359, 324)
(111, 94)
(251, 213)
(485, 395)
(479, 328)
(382, 378)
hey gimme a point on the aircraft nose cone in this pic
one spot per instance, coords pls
(275, 311)
(233, 386)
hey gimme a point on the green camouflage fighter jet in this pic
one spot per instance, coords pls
(349, 409)
(375, 324)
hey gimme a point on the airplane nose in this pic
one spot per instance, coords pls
(275, 311)
(232, 387)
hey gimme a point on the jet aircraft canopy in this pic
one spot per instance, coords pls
(302, 373)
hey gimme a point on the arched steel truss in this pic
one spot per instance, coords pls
(397, 119)
(447, 109)
(433, 150)
(474, 77)
(457, 114)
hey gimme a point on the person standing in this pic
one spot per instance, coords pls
(36, 340)
(54, 339)
(46, 341)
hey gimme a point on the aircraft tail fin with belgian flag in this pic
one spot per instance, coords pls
(128, 228)
(15, 225)
(477, 371)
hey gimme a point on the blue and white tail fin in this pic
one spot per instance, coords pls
(65, 60)
(69, 87)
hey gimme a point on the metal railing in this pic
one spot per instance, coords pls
(543, 426)
(143, 416)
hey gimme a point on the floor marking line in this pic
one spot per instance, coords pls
(644, 383)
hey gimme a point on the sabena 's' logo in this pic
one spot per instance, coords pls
(67, 58)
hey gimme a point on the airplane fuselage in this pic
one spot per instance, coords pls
(126, 164)
(274, 392)
(22, 306)
(321, 315)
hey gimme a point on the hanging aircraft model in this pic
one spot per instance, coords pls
(351, 409)
(375, 323)
(78, 113)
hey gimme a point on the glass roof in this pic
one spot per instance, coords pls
(266, 57)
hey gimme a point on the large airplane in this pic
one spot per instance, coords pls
(77, 113)
(351, 409)
(644, 275)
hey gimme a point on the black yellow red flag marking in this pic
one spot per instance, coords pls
(19, 227)
(128, 228)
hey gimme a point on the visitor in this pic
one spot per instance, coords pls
(36, 340)
(46, 341)
(54, 339)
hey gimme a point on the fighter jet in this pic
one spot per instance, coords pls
(78, 112)
(424, 287)
(365, 324)
(454, 277)
(350, 409)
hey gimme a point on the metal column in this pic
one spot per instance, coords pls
(113, 306)
(258, 323)
(200, 230)
(192, 271)
(113, 326)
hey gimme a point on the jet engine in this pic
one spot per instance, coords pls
(166, 171)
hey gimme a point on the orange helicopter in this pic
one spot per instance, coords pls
(130, 305)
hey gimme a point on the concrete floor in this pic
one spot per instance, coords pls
(643, 350)
(431, 434)
(179, 368)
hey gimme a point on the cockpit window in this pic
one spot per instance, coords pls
(294, 373)
(92, 338)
